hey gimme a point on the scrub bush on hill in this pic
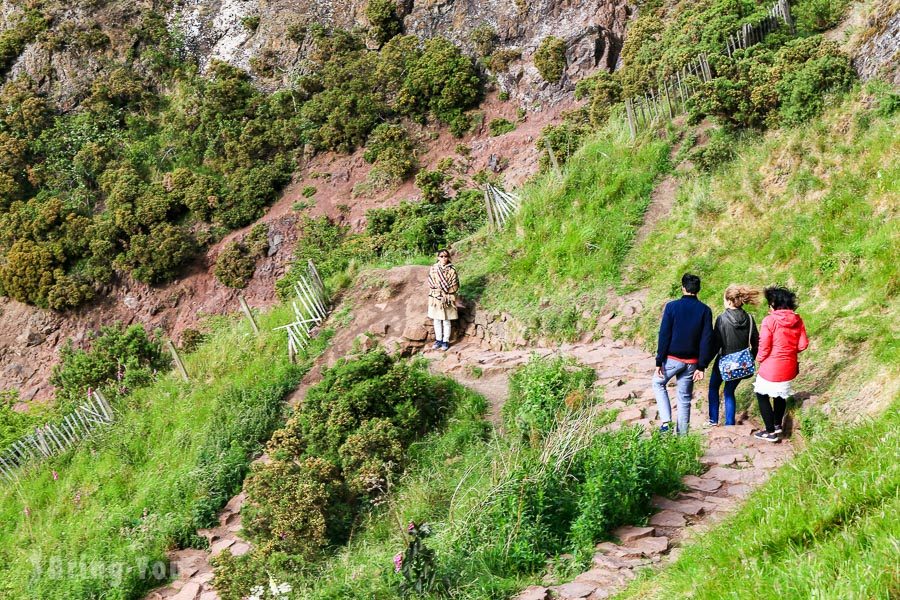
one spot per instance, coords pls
(550, 59)
(119, 359)
(22, 31)
(339, 452)
(384, 22)
(766, 87)
(392, 154)
(157, 161)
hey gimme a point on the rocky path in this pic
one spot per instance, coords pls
(388, 310)
(734, 462)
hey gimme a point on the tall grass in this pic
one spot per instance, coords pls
(500, 507)
(92, 522)
(566, 246)
(813, 208)
(824, 527)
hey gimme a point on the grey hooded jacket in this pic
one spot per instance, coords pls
(731, 332)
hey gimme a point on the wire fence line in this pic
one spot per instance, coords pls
(56, 438)
(310, 309)
(671, 95)
(500, 205)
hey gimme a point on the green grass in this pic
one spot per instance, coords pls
(813, 208)
(825, 526)
(500, 507)
(175, 455)
(565, 248)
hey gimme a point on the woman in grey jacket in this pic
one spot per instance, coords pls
(733, 330)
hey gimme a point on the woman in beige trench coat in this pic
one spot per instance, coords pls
(443, 284)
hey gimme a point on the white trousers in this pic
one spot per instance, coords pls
(441, 330)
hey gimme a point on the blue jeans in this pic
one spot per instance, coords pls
(715, 382)
(683, 372)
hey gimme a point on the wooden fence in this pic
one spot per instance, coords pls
(310, 309)
(55, 438)
(500, 205)
(671, 95)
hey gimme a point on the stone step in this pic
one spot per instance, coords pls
(629, 533)
(684, 506)
(668, 518)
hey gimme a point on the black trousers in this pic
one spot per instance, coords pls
(771, 415)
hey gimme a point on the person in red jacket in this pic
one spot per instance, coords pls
(782, 336)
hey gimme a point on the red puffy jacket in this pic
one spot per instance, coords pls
(781, 337)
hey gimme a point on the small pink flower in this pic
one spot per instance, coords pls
(27, 512)
(55, 475)
(398, 562)
(410, 527)
(77, 497)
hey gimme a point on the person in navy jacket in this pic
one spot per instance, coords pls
(683, 351)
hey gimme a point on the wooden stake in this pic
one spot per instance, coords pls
(177, 359)
(246, 309)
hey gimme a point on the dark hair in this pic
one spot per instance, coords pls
(781, 298)
(443, 251)
(690, 283)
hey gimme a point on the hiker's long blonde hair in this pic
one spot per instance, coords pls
(739, 295)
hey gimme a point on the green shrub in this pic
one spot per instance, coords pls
(309, 191)
(602, 90)
(393, 154)
(541, 507)
(717, 152)
(250, 23)
(158, 254)
(384, 22)
(14, 39)
(564, 139)
(500, 60)
(443, 82)
(818, 15)
(622, 474)
(500, 126)
(234, 266)
(541, 391)
(119, 360)
(550, 59)
(325, 243)
(483, 39)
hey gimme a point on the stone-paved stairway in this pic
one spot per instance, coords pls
(734, 461)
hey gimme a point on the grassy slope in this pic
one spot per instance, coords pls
(127, 495)
(814, 208)
(824, 527)
(570, 238)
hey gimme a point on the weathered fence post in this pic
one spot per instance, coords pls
(177, 359)
(246, 309)
(629, 112)
(552, 157)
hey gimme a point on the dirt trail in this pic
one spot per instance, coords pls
(386, 306)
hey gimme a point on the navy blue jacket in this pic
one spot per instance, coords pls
(686, 331)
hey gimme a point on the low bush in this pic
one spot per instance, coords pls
(541, 391)
(602, 90)
(550, 59)
(765, 87)
(120, 359)
(393, 155)
(234, 266)
(500, 126)
(341, 449)
(384, 22)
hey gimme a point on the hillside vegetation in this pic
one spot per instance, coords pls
(94, 521)
(157, 161)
